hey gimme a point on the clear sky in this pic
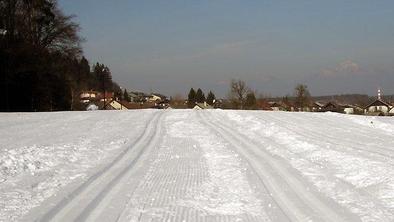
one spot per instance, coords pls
(335, 46)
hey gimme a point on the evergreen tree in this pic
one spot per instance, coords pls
(84, 74)
(191, 98)
(103, 76)
(250, 102)
(104, 80)
(200, 97)
(210, 98)
(126, 96)
(118, 93)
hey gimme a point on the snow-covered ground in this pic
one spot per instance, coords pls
(187, 165)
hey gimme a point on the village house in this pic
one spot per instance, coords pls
(163, 105)
(317, 106)
(117, 105)
(113, 105)
(379, 107)
(349, 109)
(138, 97)
(155, 97)
(204, 105)
(88, 96)
(108, 96)
(276, 106)
(332, 107)
(352, 109)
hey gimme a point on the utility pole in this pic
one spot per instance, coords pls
(103, 79)
(3, 33)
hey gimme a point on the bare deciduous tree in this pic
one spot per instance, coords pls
(238, 92)
(302, 96)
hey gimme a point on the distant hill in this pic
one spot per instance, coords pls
(355, 99)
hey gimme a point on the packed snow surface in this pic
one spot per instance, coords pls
(189, 165)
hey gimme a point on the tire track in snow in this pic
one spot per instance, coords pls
(290, 193)
(94, 189)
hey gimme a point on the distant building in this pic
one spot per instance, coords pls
(317, 106)
(155, 97)
(349, 110)
(145, 105)
(113, 105)
(378, 107)
(163, 105)
(88, 96)
(332, 107)
(276, 106)
(138, 97)
(203, 105)
(108, 96)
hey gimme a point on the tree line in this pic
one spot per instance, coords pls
(41, 61)
(241, 96)
(199, 97)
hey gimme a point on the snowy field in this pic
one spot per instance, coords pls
(187, 165)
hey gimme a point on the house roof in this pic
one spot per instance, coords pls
(319, 104)
(145, 105)
(275, 104)
(89, 91)
(378, 102)
(158, 95)
(332, 104)
(204, 105)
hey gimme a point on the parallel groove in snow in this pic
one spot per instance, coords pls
(178, 185)
(215, 165)
(356, 144)
(99, 205)
(359, 199)
(250, 151)
(100, 182)
(326, 167)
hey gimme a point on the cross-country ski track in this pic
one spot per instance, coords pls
(196, 165)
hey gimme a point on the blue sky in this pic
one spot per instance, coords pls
(336, 46)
